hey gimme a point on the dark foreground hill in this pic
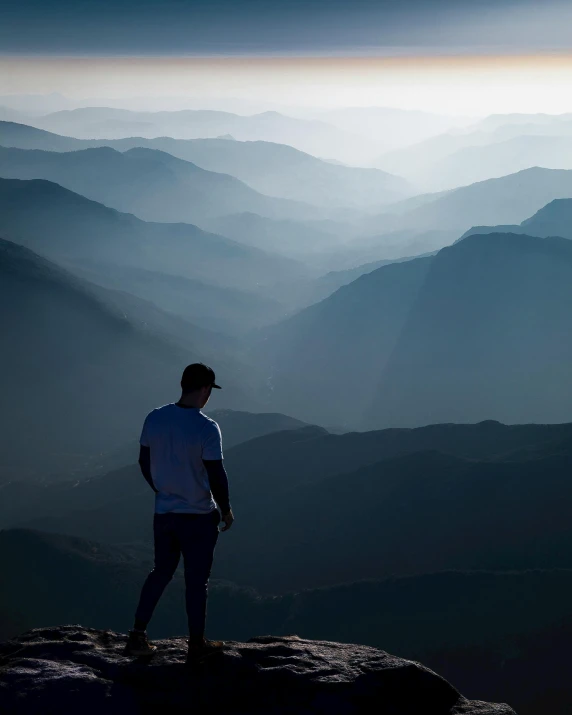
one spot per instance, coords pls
(267, 464)
(378, 507)
(409, 515)
(69, 668)
(484, 631)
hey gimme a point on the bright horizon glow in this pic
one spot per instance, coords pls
(454, 85)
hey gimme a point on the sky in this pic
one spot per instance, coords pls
(452, 56)
(246, 27)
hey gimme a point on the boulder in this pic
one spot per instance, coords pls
(83, 671)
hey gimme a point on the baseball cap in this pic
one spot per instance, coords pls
(198, 375)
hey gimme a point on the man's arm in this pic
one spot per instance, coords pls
(212, 459)
(145, 465)
(219, 483)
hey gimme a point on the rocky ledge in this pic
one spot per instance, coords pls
(70, 669)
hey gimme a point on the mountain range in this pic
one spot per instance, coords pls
(428, 222)
(225, 205)
(554, 219)
(240, 426)
(411, 494)
(213, 281)
(282, 171)
(478, 163)
(495, 146)
(506, 200)
(271, 169)
(151, 184)
(478, 331)
(486, 337)
(314, 137)
(67, 226)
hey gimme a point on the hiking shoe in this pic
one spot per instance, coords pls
(138, 645)
(202, 649)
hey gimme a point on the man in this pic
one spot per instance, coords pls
(181, 459)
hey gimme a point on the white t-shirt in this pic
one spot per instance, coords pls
(179, 439)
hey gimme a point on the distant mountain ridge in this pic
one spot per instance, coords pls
(311, 136)
(473, 164)
(390, 126)
(84, 230)
(493, 147)
(554, 219)
(272, 169)
(506, 200)
(240, 426)
(151, 184)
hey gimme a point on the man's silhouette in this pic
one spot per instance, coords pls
(181, 459)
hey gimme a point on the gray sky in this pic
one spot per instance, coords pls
(247, 27)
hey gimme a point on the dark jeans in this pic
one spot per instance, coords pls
(194, 536)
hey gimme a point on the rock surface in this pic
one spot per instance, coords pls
(70, 669)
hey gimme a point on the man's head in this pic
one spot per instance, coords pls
(197, 383)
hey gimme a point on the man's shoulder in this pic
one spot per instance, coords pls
(208, 423)
(160, 411)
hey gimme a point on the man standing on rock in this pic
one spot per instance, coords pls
(181, 459)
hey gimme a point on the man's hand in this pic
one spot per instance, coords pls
(228, 519)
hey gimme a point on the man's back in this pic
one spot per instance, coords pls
(179, 439)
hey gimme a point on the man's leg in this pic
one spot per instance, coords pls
(198, 536)
(167, 555)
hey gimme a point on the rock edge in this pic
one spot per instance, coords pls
(83, 671)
